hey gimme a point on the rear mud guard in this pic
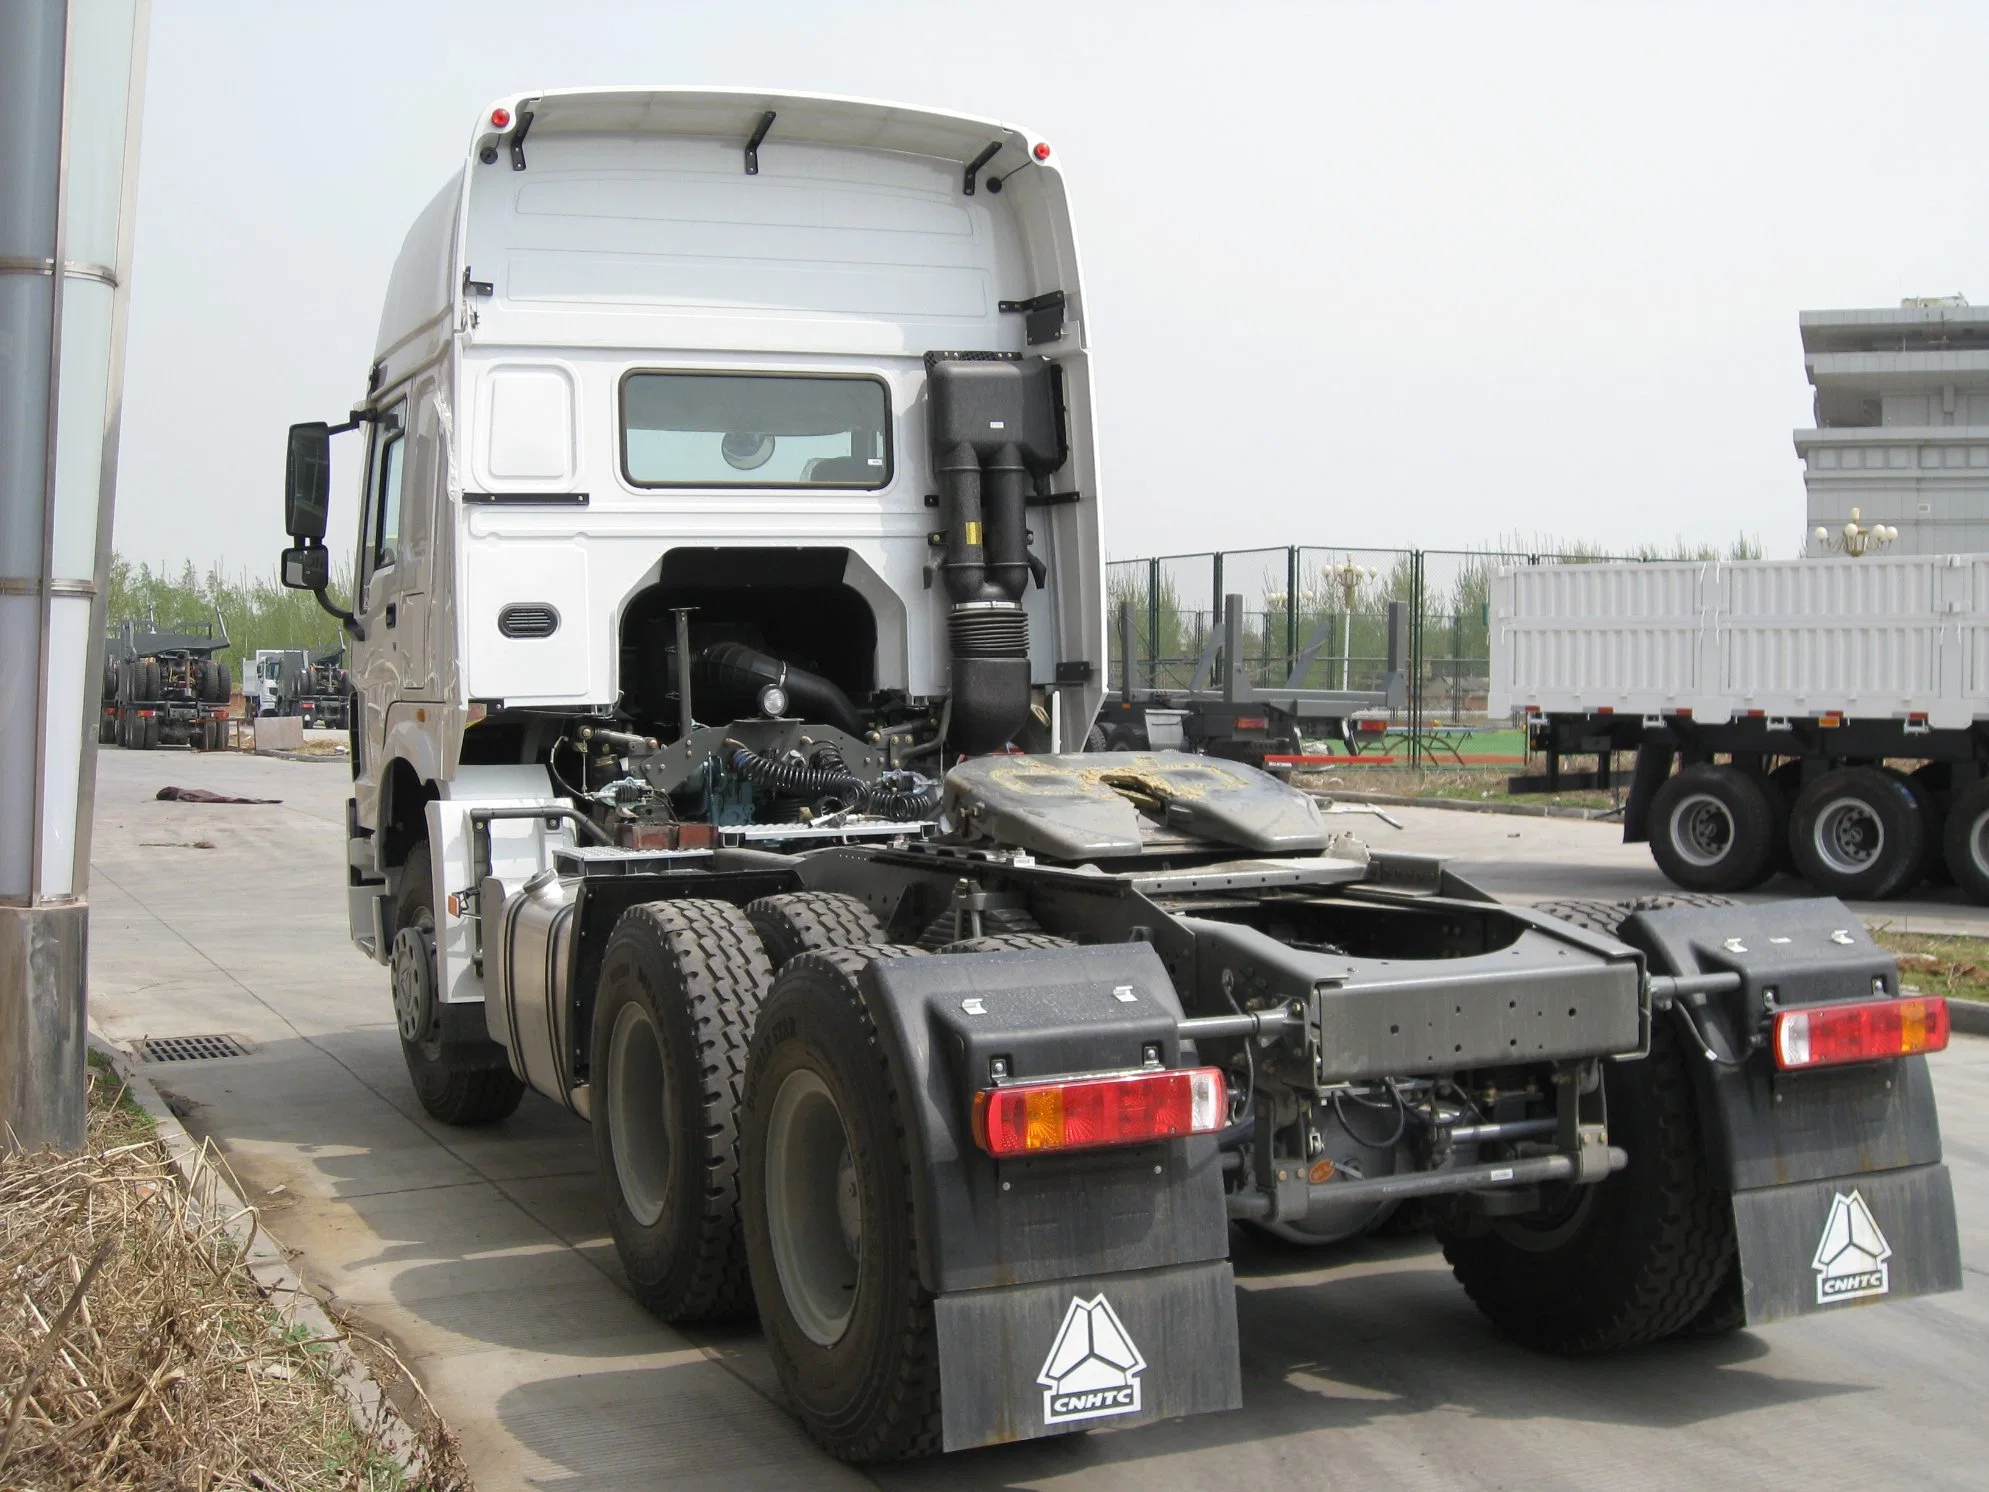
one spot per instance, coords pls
(1849, 1240)
(1839, 1194)
(1106, 1351)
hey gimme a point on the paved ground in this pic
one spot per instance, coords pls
(484, 1254)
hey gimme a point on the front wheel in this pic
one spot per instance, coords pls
(828, 1216)
(451, 1088)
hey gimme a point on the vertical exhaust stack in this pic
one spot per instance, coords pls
(995, 425)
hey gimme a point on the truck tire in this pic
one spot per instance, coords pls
(1932, 801)
(151, 727)
(1094, 739)
(1629, 1260)
(1713, 829)
(1965, 841)
(1608, 916)
(1857, 833)
(680, 988)
(828, 1214)
(148, 679)
(224, 682)
(450, 1089)
(1007, 942)
(106, 729)
(797, 922)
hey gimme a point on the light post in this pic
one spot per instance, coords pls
(1855, 539)
(71, 75)
(1350, 577)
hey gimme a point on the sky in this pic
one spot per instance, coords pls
(1409, 274)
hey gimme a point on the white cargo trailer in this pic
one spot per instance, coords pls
(1820, 715)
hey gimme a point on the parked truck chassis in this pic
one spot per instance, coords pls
(953, 1050)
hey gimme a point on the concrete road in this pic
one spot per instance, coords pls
(484, 1256)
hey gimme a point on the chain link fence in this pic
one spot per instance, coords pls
(1316, 618)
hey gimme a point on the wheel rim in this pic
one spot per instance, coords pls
(1978, 844)
(1702, 830)
(637, 1131)
(1849, 838)
(814, 1212)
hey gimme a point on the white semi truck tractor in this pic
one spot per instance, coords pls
(729, 621)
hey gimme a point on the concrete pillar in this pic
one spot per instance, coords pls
(71, 77)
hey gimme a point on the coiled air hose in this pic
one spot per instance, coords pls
(899, 796)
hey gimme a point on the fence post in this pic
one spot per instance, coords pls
(1291, 607)
(1416, 658)
(1126, 636)
(1153, 624)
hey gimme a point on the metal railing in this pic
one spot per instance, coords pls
(1319, 618)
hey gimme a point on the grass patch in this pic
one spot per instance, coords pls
(1472, 784)
(137, 1350)
(1936, 964)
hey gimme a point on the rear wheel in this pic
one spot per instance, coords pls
(680, 989)
(1713, 829)
(797, 922)
(1857, 832)
(1629, 1260)
(451, 1086)
(149, 733)
(828, 1213)
(1006, 943)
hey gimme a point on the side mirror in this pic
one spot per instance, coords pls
(307, 489)
(309, 568)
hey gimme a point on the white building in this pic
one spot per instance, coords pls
(1902, 423)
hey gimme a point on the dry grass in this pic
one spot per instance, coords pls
(1937, 964)
(137, 1351)
(1476, 784)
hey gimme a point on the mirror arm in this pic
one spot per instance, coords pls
(351, 623)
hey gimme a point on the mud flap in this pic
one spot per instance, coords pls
(1848, 1240)
(1113, 1350)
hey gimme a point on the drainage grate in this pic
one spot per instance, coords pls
(190, 1048)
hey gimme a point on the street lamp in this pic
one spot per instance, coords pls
(1855, 539)
(1350, 577)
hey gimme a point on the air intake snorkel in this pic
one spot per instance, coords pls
(995, 427)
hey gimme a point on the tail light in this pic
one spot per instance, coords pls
(1085, 1113)
(1869, 1031)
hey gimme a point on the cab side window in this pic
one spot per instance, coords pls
(384, 499)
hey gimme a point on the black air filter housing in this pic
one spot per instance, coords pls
(991, 399)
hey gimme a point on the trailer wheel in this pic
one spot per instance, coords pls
(151, 733)
(224, 681)
(449, 1089)
(1713, 829)
(797, 922)
(1857, 832)
(828, 1214)
(1094, 739)
(106, 729)
(1928, 785)
(1965, 841)
(148, 679)
(1629, 1260)
(680, 988)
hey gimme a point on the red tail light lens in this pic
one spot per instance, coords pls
(1085, 1113)
(1869, 1031)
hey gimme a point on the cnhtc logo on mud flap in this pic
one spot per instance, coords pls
(1850, 1257)
(1093, 1369)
